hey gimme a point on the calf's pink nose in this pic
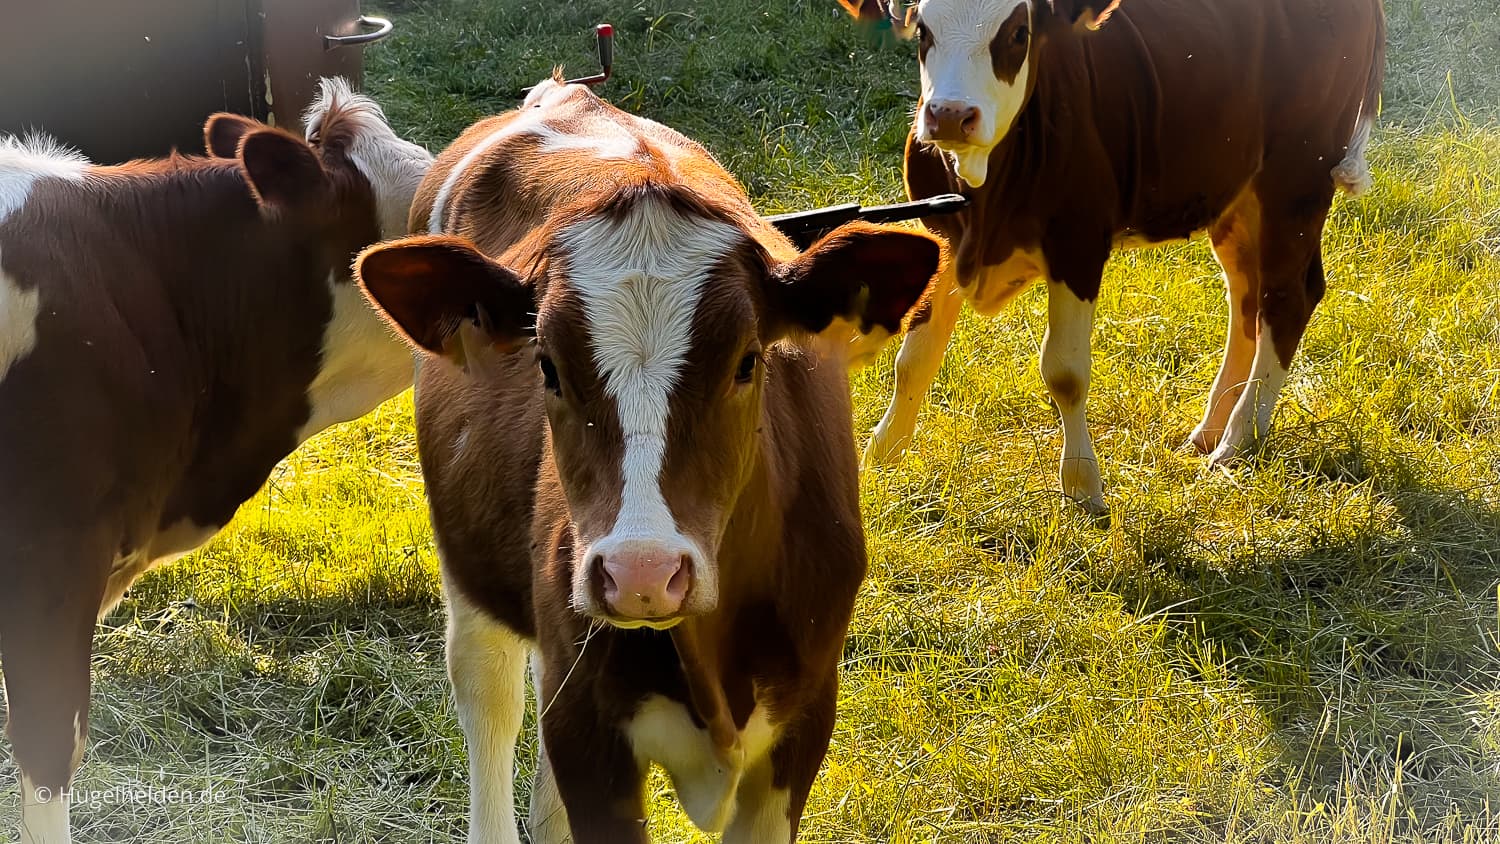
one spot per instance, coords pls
(644, 579)
(951, 121)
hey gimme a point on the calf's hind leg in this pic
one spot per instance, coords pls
(1291, 285)
(1236, 243)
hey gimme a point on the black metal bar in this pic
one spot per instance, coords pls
(805, 227)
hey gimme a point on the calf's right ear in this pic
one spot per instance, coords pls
(445, 297)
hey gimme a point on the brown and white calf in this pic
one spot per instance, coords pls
(638, 452)
(1240, 117)
(169, 330)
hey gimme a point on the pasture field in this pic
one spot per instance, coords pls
(1303, 649)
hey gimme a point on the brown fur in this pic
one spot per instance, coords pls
(180, 326)
(763, 473)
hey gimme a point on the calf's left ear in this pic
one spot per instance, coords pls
(867, 275)
(446, 297)
(1089, 14)
(282, 169)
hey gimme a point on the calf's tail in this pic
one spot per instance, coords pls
(1353, 173)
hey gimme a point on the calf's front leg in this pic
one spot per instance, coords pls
(1066, 362)
(487, 665)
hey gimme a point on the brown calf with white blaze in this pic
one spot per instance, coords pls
(638, 453)
(1239, 117)
(169, 330)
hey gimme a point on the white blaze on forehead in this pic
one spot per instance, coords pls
(394, 167)
(640, 278)
(18, 313)
(25, 160)
(959, 70)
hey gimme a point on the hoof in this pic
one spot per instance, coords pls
(1095, 508)
(1225, 456)
(883, 452)
(1202, 441)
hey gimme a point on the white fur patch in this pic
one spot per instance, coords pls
(662, 731)
(23, 161)
(640, 279)
(959, 71)
(362, 363)
(525, 123)
(44, 815)
(393, 166)
(611, 141)
(18, 314)
(487, 665)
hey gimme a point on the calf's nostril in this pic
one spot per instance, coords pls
(678, 585)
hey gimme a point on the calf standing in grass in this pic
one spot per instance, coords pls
(639, 458)
(1239, 117)
(169, 330)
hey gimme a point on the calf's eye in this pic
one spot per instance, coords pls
(1022, 35)
(549, 375)
(746, 370)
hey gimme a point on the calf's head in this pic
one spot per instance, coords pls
(652, 318)
(365, 173)
(978, 61)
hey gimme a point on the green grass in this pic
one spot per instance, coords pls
(1304, 649)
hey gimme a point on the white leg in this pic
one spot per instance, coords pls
(916, 365)
(1251, 418)
(487, 665)
(547, 820)
(1066, 358)
(761, 812)
(44, 815)
(1236, 246)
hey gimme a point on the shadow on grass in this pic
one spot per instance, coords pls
(1371, 646)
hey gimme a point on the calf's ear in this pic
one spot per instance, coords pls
(282, 169)
(1087, 14)
(223, 132)
(882, 15)
(445, 297)
(865, 275)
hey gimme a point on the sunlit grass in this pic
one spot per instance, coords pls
(1303, 649)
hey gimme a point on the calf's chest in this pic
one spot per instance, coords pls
(706, 777)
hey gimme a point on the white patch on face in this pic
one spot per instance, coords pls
(25, 160)
(640, 280)
(362, 364)
(394, 167)
(43, 821)
(662, 731)
(959, 71)
(18, 315)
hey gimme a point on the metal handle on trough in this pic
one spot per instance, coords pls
(382, 26)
